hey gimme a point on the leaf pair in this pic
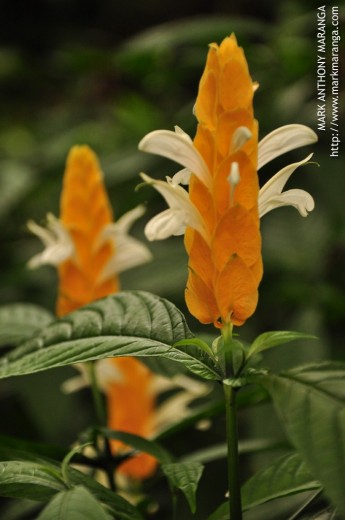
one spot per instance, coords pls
(127, 324)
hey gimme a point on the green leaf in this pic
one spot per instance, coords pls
(310, 403)
(198, 343)
(302, 506)
(41, 480)
(34, 450)
(185, 476)
(75, 503)
(132, 323)
(219, 451)
(163, 366)
(20, 321)
(29, 480)
(117, 505)
(139, 443)
(287, 475)
(67, 459)
(322, 513)
(269, 340)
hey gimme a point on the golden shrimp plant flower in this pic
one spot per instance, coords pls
(89, 251)
(87, 247)
(220, 213)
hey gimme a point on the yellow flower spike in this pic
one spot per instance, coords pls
(220, 213)
(84, 212)
(227, 139)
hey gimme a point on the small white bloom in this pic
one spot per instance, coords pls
(182, 177)
(241, 135)
(176, 407)
(181, 212)
(128, 251)
(106, 374)
(282, 140)
(234, 175)
(271, 195)
(179, 147)
(56, 239)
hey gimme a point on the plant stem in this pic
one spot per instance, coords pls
(97, 397)
(101, 416)
(235, 506)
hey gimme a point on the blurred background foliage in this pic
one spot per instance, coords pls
(106, 73)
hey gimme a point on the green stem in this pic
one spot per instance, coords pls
(97, 396)
(227, 351)
(101, 416)
(235, 506)
(174, 503)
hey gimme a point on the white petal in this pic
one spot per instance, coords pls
(58, 243)
(120, 228)
(283, 140)
(271, 196)
(41, 232)
(182, 177)
(129, 253)
(299, 199)
(106, 373)
(182, 212)
(179, 148)
(127, 220)
(182, 133)
(171, 222)
(176, 407)
(175, 196)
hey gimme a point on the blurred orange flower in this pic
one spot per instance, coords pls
(89, 251)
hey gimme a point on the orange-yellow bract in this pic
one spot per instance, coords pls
(131, 404)
(84, 212)
(225, 265)
(85, 216)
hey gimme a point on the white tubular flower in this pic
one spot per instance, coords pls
(179, 147)
(271, 195)
(282, 140)
(129, 252)
(181, 212)
(240, 137)
(176, 408)
(56, 239)
(106, 373)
